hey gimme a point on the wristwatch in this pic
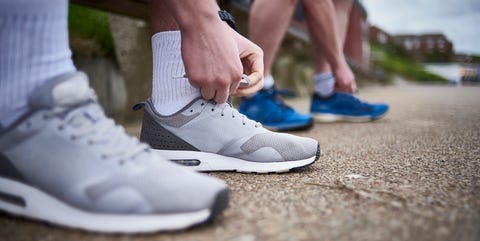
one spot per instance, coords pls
(227, 17)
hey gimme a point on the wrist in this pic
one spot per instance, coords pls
(193, 15)
(338, 63)
(199, 21)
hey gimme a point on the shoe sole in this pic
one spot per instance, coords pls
(302, 127)
(329, 118)
(22, 200)
(207, 162)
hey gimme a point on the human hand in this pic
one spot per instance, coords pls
(215, 58)
(211, 58)
(252, 61)
(214, 55)
(344, 79)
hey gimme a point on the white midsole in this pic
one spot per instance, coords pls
(44, 207)
(216, 162)
(333, 118)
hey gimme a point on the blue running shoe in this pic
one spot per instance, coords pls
(267, 108)
(345, 107)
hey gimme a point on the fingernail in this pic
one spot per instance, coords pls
(246, 82)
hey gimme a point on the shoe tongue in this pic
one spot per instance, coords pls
(66, 90)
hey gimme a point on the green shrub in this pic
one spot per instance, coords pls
(403, 66)
(90, 31)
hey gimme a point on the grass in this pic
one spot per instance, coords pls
(396, 64)
(90, 32)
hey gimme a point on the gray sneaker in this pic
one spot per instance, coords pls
(215, 137)
(66, 163)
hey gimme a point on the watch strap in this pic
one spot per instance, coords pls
(227, 17)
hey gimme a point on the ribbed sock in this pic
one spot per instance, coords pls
(268, 82)
(33, 48)
(170, 91)
(324, 84)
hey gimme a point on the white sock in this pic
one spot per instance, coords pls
(268, 82)
(170, 93)
(324, 84)
(33, 48)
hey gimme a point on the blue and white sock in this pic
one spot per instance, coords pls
(33, 48)
(324, 84)
(170, 92)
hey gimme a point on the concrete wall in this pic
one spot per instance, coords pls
(134, 55)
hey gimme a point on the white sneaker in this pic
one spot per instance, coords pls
(215, 137)
(66, 163)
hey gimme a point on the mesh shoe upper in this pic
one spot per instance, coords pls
(267, 108)
(68, 148)
(218, 128)
(348, 105)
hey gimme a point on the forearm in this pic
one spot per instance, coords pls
(321, 21)
(192, 14)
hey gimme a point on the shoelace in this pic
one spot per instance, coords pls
(274, 94)
(227, 107)
(358, 103)
(90, 122)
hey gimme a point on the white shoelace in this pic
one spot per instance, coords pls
(227, 108)
(89, 122)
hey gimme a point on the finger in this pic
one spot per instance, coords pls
(208, 93)
(252, 62)
(255, 78)
(253, 88)
(245, 81)
(195, 81)
(256, 83)
(341, 88)
(233, 87)
(221, 96)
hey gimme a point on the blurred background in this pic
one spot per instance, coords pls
(388, 42)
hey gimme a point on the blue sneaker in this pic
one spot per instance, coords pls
(267, 108)
(345, 107)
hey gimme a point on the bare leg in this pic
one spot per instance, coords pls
(267, 26)
(323, 27)
(161, 17)
(342, 10)
(269, 21)
(321, 23)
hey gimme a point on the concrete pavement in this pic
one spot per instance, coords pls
(414, 175)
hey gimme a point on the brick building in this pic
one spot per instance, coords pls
(426, 47)
(377, 35)
(422, 47)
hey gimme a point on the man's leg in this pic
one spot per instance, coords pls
(61, 159)
(331, 67)
(34, 48)
(269, 21)
(204, 134)
(342, 13)
(334, 80)
(170, 91)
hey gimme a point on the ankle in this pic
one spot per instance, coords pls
(324, 84)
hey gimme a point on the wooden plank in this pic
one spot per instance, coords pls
(131, 8)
